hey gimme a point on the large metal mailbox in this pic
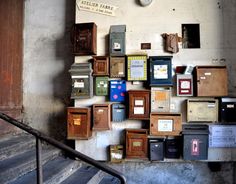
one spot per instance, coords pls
(101, 117)
(165, 124)
(160, 70)
(117, 40)
(156, 149)
(78, 123)
(160, 99)
(228, 109)
(118, 112)
(136, 67)
(117, 90)
(101, 86)
(82, 81)
(139, 104)
(136, 143)
(117, 66)
(184, 85)
(211, 81)
(84, 39)
(202, 110)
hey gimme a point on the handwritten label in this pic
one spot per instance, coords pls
(95, 7)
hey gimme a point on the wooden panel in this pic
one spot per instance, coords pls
(11, 35)
(101, 117)
(100, 65)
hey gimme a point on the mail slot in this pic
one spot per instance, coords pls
(82, 81)
(117, 90)
(117, 66)
(228, 109)
(118, 112)
(211, 81)
(165, 124)
(101, 117)
(84, 39)
(117, 40)
(139, 104)
(78, 123)
(202, 110)
(136, 143)
(160, 99)
(160, 70)
(101, 86)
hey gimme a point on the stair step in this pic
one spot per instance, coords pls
(15, 145)
(108, 179)
(82, 175)
(54, 171)
(19, 165)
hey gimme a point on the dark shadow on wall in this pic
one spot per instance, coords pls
(62, 82)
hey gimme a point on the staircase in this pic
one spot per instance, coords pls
(18, 165)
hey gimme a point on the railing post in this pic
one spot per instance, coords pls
(39, 161)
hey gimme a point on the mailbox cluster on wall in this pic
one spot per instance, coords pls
(82, 81)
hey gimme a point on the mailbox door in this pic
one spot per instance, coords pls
(101, 86)
(117, 90)
(117, 67)
(78, 123)
(160, 99)
(139, 104)
(100, 65)
(84, 39)
(117, 43)
(101, 117)
(80, 87)
(118, 112)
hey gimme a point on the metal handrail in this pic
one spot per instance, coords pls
(40, 136)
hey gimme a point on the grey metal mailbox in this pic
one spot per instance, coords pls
(82, 81)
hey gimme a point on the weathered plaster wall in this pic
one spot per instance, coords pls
(47, 58)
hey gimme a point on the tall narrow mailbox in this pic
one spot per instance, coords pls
(139, 104)
(160, 99)
(117, 40)
(160, 70)
(211, 81)
(82, 81)
(101, 86)
(84, 39)
(118, 112)
(101, 117)
(117, 90)
(136, 143)
(228, 109)
(78, 123)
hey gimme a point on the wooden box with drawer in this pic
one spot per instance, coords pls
(100, 65)
(165, 124)
(211, 81)
(139, 104)
(136, 143)
(84, 39)
(78, 123)
(101, 117)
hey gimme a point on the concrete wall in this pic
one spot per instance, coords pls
(47, 58)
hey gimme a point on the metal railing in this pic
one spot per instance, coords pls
(42, 137)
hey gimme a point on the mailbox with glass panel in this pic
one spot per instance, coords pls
(160, 99)
(136, 67)
(78, 123)
(118, 112)
(160, 71)
(82, 81)
(117, 66)
(101, 88)
(117, 40)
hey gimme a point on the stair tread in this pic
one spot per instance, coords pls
(82, 175)
(15, 140)
(51, 171)
(108, 179)
(24, 162)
